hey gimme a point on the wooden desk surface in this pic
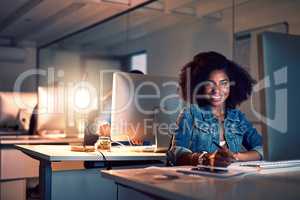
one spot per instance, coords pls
(37, 139)
(266, 184)
(64, 153)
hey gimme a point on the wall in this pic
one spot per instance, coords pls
(66, 66)
(72, 69)
(10, 71)
(170, 48)
(269, 12)
(73, 66)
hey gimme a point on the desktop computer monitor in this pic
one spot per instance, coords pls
(144, 107)
(15, 111)
(279, 58)
(50, 111)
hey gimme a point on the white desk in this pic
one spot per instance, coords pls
(18, 169)
(36, 139)
(144, 184)
(54, 153)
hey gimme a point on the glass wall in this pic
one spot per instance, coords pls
(170, 32)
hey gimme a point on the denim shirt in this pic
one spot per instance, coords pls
(198, 129)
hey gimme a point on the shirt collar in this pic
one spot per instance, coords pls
(231, 114)
(207, 114)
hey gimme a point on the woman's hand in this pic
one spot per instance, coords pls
(136, 141)
(221, 158)
(104, 130)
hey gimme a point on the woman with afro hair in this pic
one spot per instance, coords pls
(210, 129)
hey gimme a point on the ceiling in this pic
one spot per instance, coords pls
(153, 17)
(43, 21)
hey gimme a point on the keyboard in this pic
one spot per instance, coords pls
(271, 165)
(147, 148)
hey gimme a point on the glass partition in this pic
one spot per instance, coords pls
(248, 26)
(168, 32)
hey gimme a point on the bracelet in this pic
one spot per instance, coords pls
(235, 156)
(200, 159)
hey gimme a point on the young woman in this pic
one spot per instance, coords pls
(211, 130)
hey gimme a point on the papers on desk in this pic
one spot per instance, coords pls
(238, 166)
(266, 167)
(233, 170)
(271, 165)
(123, 148)
(218, 172)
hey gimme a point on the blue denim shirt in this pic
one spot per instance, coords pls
(198, 129)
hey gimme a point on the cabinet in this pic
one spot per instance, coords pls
(15, 168)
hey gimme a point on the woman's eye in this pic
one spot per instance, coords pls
(210, 85)
(224, 83)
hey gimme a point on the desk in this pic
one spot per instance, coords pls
(18, 170)
(56, 153)
(36, 139)
(144, 184)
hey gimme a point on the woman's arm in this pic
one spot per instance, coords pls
(188, 159)
(252, 141)
(247, 156)
(220, 158)
(179, 153)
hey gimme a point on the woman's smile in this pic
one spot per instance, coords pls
(217, 88)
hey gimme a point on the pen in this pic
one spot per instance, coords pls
(250, 165)
(217, 145)
(225, 149)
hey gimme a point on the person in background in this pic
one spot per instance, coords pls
(100, 125)
(210, 129)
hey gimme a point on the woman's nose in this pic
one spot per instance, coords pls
(216, 90)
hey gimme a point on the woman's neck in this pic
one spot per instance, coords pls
(218, 111)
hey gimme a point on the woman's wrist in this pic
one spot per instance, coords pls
(201, 158)
(236, 156)
(246, 156)
(197, 158)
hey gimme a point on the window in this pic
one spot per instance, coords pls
(139, 62)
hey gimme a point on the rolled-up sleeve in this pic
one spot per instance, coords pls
(182, 137)
(252, 139)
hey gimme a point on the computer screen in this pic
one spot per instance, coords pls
(280, 61)
(51, 113)
(16, 109)
(143, 106)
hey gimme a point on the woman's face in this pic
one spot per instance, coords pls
(217, 88)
